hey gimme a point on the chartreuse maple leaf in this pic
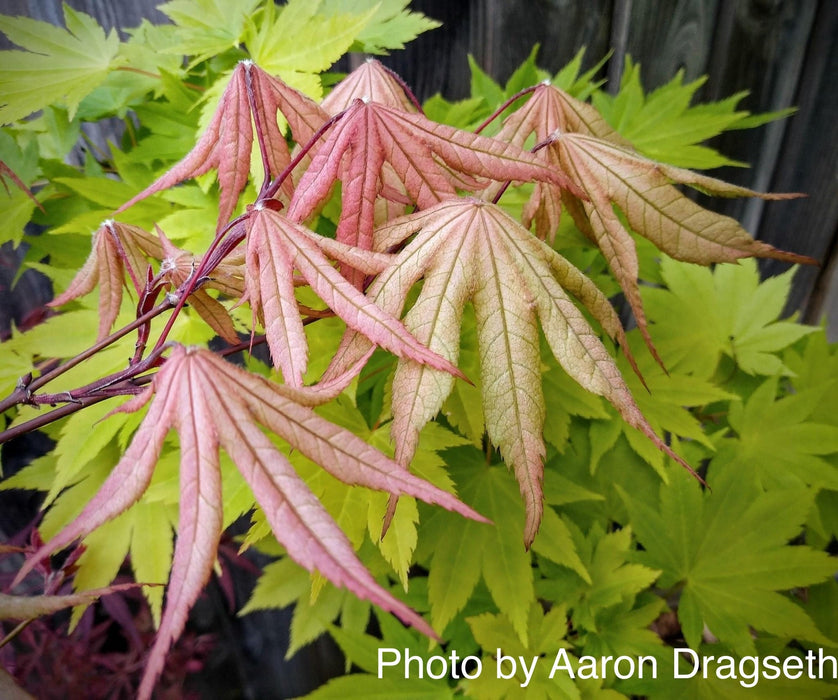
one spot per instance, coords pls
(695, 325)
(663, 398)
(782, 442)
(463, 553)
(728, 551)
(353, 510)
(303, 38)
(362, 650)
(662, 124)
(213, 404)
(208, 27)
(18, 169)
(609, 607)
(391, 26)
(547, 633)
(470, 250)
(58, 65)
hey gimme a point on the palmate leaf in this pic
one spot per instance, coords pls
(59, 66)
(207, 27)
(422, 154)
(18, 201)
(373, 81)
(654, 208)
(118, 249)
(391, 26)
(729, 548)
(598, 160)
(708, 327)
(664, 126)
(460, 555)
(469, 250)
(783, 443)
(212, 404)
(226, 143)
(305, 37)
(550, 109)
(276, 246)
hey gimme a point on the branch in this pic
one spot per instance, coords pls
(68, 409)
(23, 392)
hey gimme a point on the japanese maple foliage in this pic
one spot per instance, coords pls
(421, 233)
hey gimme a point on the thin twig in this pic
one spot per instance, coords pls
(25, 390)
(499, 110)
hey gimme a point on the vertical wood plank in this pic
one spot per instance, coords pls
(506, 30)
(760, 47)
(666, 36)
(808, 162)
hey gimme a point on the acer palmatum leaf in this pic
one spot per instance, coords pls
(421, 153)
(117, 249)
(212, 404)
(276, 246)
(469, 250)
(549, 109)
(177, 267)
(370, 80)
(226, 143)
(654, 208)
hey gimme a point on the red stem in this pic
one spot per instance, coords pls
(499, 110)
(273, 188)
(208, 264)
(23, 394)
(68, 409)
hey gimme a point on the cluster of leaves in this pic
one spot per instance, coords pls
(379, 252)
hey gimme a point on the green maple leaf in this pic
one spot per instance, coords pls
(780, 440)
(710, 326)
(18, 170)
(392, 25)
(614, 581)
(462, 554)
(366, 686)
(207, 27)
(816, 366)
(58, 65)
(546, 632)
(663, 126)
(304, 39)
(663, 397)
(728, 550)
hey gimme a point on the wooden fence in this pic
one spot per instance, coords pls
(781, 51)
